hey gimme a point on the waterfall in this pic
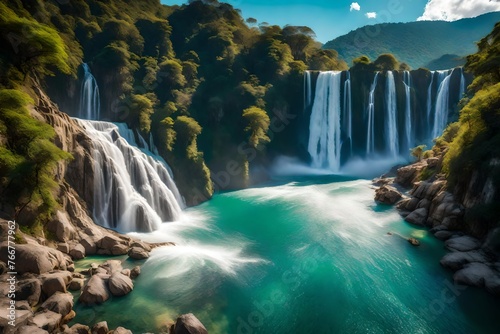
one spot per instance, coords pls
(442, 103)
(429, 96)
(307, 89)
(408, 127)
(462, 84)
(90, 105)
(391, 122)
(348, 108)
(370, 135)
(324, 129)
(133, 191)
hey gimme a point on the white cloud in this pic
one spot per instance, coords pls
(451, 10)
(355, 6)
(371, 15)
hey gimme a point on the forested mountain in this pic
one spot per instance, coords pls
(430, 44)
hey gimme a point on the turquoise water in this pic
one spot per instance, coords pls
(307, 255)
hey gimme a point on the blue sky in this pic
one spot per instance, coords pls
(333, 18)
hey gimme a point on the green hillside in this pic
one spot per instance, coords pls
(419, 44)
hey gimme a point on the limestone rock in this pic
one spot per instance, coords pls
(417, 217)
(189, 324)
(121, 330)
(136, 271)
(76, 284)
(100, 328)
(95, 292)
(387, 195)
(35, 259)
(47, 320)
(77, 329)
(78, 252)
(138, 253)
(52, 285)
(30, 290)
(61, 303)
(119, 284)
(30, 329)
(463, 244)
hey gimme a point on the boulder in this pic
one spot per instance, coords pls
(121, 330)
(119, 284)
(108, 241)
(95, 292)
(189, 324)
(22, 316)
(30, 290)
(462, 244)
(34, 258)
(417, 217)
(30, 329)
(77, 329)
(61, 303)
(61, 227)
(136, 271)
(457, 260)
(120, 249)
(100, 328)
(407, 174)
(89, 245)
(63, 247)
(69, 317)
(387, 195)
(126, 272)
(52, 285)
(474, 274)
(76, 284)
(414, 242)
(48, 320)
(137, 253)
(432, 162)
(443, 235)
(142, 245)
(112, 266)
(78, 252)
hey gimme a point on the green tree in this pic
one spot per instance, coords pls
(258, 123)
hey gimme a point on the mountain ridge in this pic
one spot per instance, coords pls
(405, 41)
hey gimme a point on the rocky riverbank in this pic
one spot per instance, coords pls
(423, 199)
(38, 298)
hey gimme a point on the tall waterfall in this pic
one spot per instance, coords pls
(90, 105)
(133, 191)
(324, 129)
(348, 108)
(307, 89)
(462, 84)
(442, 103)
(408, 121)
(391, 124)
(370, 135)
(385, 122)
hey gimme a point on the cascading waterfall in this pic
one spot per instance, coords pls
(133, 191)
(90, 105)
(373, 125)
(348, 108)
(370, 135)
(307, 89)
(391, 124)
(442, 103)
(462, 84)
(133, 186)
(408, 122)
(324, 129)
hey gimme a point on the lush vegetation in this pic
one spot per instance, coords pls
(473, 144)
(203, 81)
(443, 44)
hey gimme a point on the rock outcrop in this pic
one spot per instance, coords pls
(189, 324)
(387, 195)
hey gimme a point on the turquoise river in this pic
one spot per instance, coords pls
(298, 255)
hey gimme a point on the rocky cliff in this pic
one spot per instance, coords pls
(427, 200)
